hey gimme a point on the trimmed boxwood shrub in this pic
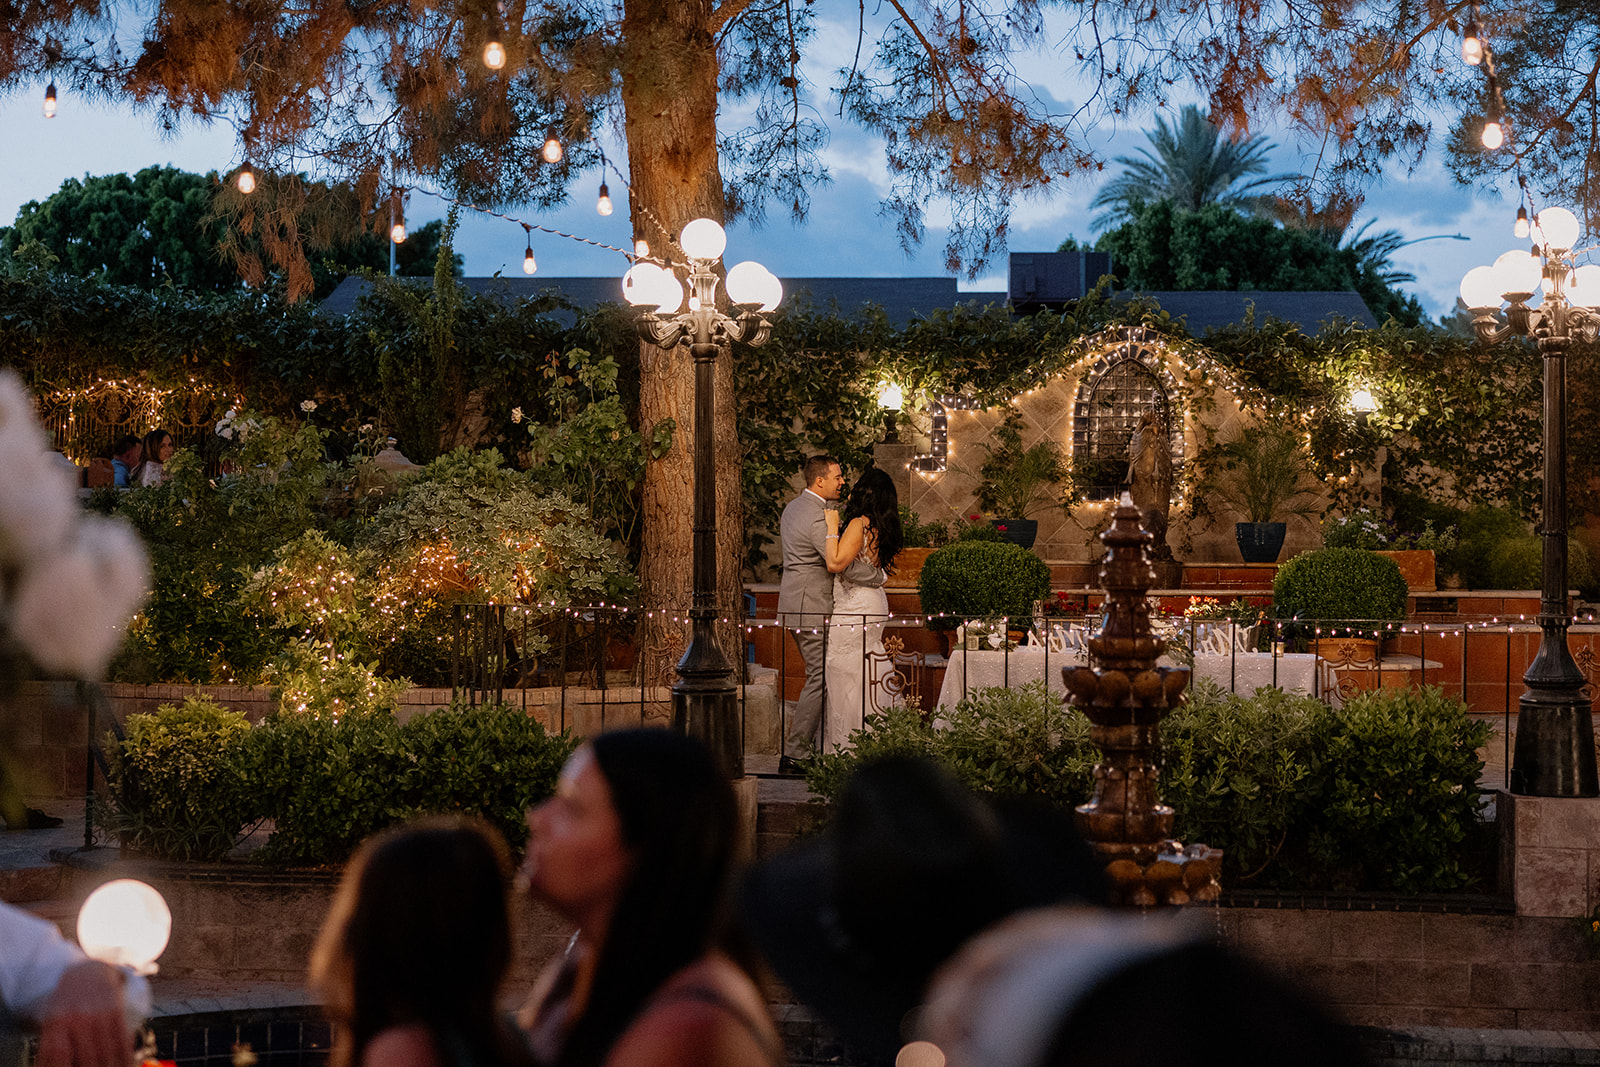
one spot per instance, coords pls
(1382, 795)
(979, 580)
(1340, 583)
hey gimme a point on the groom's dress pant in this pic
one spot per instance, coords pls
(804, 725)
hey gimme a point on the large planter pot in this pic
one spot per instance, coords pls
(1260, 542)
(908, 567)
(1416, 567)
(1018, 531)
(1348, 651)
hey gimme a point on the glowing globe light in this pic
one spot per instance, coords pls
(703, 239)
(638, 285)
(1584, 287)
(1518, 272)
(494, 55)
(246, 180)
(125, 923)
(397, 233)
(552, 151)
(1560, 227)
(1493, 135)
(751, 283)
(1481, 288)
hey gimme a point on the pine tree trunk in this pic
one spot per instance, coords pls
(669, 95)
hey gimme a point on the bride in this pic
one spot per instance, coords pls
(858, 669)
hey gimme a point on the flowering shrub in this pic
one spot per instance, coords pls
(1365, 528)
(1239, 610)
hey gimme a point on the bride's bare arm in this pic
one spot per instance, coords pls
(843, 547)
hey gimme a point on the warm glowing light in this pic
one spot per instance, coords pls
(1493, 135)
(1481, 288)
(641, 248)
(703, 239)
(528, 265)
(246, 180)
(1471, 45)
(551, 152)
(125, 923)
(603, 205)
(1560, 227)
(397, 233)
(50, 101)
(890, 396)
(494, 55)
(1362, 401)
(1518, 271)
(1521, 228)
(751, 283)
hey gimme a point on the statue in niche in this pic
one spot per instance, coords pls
(1149, 479)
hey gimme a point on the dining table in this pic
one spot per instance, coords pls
(1236, 672)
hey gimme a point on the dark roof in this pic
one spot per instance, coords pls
(1204, 311)
(901, 298)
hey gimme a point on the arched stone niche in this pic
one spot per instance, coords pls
(1090, 412)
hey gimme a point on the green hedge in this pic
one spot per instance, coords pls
(1340, 583)
(981, 579)
(1381, 795)
(327, 782)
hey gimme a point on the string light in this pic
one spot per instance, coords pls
(397, 215)
(246, 180)
(1522, 228)
(1493, 135)
(528, 265)
(50, 101)
(1471, 45)
(494, 55)
(552, 151)
(603, 205)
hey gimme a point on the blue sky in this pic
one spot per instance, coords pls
(844, 236)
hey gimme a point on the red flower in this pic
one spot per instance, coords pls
(974, 518)
(1002, 529)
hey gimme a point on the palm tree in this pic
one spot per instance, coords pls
(1193, 166)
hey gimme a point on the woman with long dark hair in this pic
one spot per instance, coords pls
(858, 668)
(637, 848)
(158, 449)
(414, 949)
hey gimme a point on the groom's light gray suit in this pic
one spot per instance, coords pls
(805, 600)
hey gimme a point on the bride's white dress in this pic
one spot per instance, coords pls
(855, 655)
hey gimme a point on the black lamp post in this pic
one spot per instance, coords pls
(704, 698)
(1555, 754)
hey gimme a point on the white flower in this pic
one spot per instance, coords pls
(516, 414)
(225, 424)
(366, 427)
(72, 606)
(37, 505)
(308, 406)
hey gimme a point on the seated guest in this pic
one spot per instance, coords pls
(125, 456)
(76, 1003)
(157, 448)
(415, 947)
(637, 848)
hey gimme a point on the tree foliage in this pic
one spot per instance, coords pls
(1165, 247)
(1193, 166)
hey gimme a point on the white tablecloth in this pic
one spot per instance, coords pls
(1242, 673)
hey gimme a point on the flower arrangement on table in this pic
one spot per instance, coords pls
(1365, 528)
(1215, 626)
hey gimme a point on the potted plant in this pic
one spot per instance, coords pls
(981, 580)
(1017, 482)
(1350, 595)
(1415, 553)
(921, 539)
(1262, 475)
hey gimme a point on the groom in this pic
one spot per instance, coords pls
(805, 597)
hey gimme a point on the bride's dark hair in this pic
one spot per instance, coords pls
(874, 496)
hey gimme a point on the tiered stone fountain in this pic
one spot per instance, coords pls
(1125, 696)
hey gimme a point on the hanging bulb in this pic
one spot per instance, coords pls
(603, 205)
(1471, 46)
(641, 248)
(246, 180)
(528, 265)
(494, 55)
(397, 232)
(1493, 135)
(50, 101)
(1521, 229)
(551, 150)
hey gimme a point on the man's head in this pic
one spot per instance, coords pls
(823, 477)
(128, 449)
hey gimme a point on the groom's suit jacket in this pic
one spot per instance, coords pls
(805, 595)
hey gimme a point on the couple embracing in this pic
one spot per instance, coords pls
(834, 569)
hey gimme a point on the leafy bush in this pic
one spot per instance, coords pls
(1518, 563)
(1339, 583)
(309, 678)
(328, 783)
(1009, 742)
(1365, 528)
(173, 794)
(981, 579)
(1382, 795)
(919, 534)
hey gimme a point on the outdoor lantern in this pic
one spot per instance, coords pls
(1519, 272)
(125, 923)
(890, 398)
(1560, 228)
(751, 283)
(1481, 288)
(703, 239)
(1362, 401)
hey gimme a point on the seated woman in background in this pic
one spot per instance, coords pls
(158, 448)
(414, 950)
(637, 847)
